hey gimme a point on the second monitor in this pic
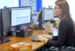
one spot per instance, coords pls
(20, 16)
(47, 14)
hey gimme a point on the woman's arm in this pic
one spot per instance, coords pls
(63, 29)
(55, 37)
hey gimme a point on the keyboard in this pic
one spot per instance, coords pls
(34, 38)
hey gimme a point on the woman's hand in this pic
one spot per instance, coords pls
(0, 41)
(41, 38)
(48, 37)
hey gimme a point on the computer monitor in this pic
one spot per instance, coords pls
(48, 14)
(45, 15)
(0, 25)
(4, 24)
(20, 16)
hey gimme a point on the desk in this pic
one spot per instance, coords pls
(35, 45)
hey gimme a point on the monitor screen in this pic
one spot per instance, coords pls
(48, 14)
(20, 15)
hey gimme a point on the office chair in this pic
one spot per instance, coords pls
(67, 50)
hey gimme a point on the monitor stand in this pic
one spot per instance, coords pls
(5, 40)
(40, 27)
(18, 28)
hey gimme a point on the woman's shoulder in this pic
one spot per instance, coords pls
(67, 20)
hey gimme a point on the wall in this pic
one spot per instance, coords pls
(46, 3)
(9, 3)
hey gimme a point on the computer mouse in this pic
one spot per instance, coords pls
(56, 27)
(50, 33)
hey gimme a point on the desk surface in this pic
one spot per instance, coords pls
(35, 45)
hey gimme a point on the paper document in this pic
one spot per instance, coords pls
(55, 32)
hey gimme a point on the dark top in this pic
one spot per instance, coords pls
(65, 36)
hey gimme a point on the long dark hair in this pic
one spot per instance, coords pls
(63, 4)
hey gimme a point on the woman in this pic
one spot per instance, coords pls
(66, 35)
